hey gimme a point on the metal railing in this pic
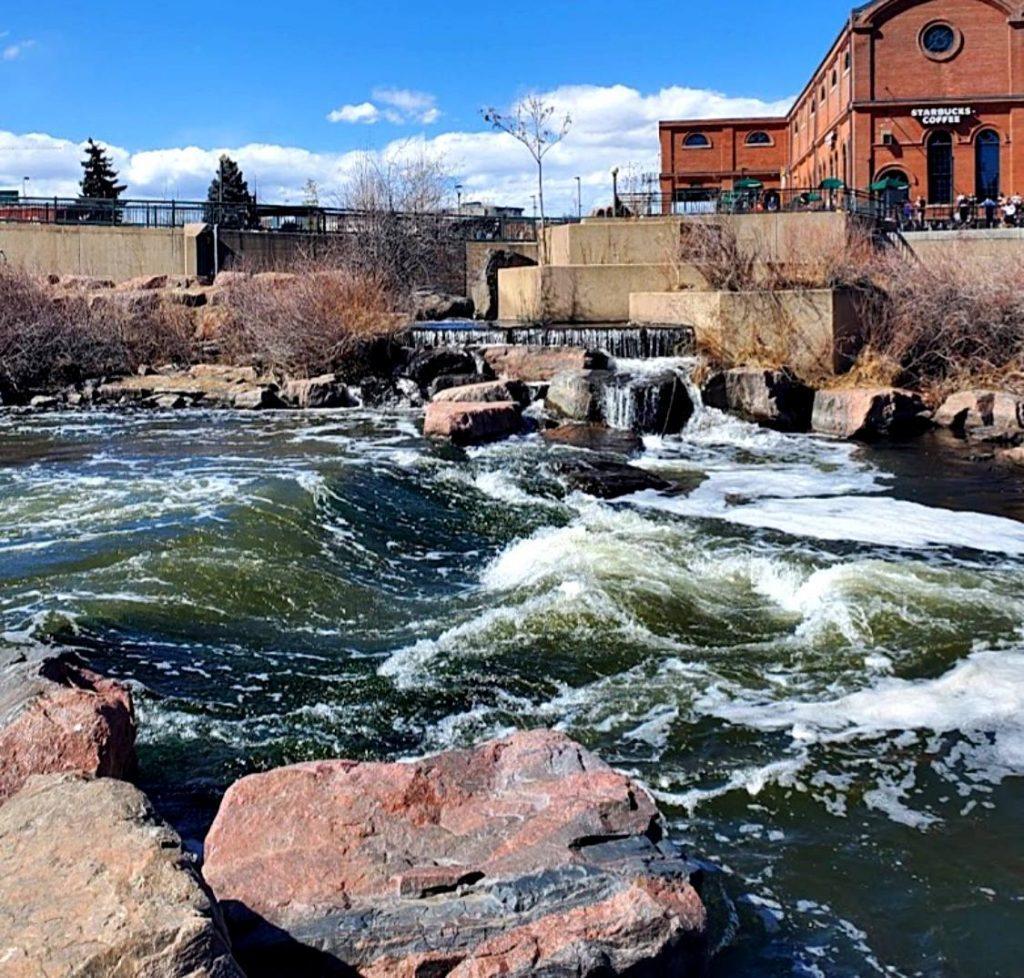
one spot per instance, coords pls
(752, 201)
(260, 217)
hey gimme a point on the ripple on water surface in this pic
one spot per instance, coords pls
(816, 667)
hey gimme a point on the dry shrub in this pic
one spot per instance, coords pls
(714, 249)
(310, 323)
(49, 339)
(950, 321)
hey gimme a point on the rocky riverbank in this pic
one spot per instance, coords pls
(524, 856)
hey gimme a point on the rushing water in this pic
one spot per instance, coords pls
(815, 659)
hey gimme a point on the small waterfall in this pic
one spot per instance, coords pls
(626, 342)
(656, 396)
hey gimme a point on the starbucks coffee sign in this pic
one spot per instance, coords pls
(943, 115)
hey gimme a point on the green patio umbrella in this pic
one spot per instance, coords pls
(889, 183)
(812, 198)
(748, 183)
(832, 183)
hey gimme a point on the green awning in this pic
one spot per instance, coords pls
(889, 183)
(748, 183)
(832, 183)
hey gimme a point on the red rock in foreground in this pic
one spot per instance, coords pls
(469, 423)
(58, 717)
(525, 856)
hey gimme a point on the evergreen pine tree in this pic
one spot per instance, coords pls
(99, 181)
(229, 188)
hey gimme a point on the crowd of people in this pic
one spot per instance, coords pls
(994, 211)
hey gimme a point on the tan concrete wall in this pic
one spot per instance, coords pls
(816, 332)
(993, 247)
(582, 293)
(117, 253)
(656, 240)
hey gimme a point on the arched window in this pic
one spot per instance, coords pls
(759, 138)
(987, 149)
(940, 168)
(696, 140)
(835, 78)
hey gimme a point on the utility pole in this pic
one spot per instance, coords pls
(579, 199)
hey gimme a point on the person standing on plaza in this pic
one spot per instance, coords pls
(1010, 213)
(922, 212)
(990, 212)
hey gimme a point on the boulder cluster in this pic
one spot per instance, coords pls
(524, 856)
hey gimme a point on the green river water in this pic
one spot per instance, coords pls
(815, 659)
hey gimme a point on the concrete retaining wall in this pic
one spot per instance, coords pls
(990, 247)
(116, 253)
(582, 293)
(817, 332)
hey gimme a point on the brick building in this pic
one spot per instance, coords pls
(923, 93)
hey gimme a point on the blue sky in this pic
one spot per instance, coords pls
(169, 85)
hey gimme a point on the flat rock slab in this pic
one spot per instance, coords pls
(57, 716)
(538, 364)
(468, 423)
(525, 856)
(494, 391)
(92, 883)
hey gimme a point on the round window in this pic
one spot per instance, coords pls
(939, 38)
(940, 41)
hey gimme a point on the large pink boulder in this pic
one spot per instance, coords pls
(524, 856)
(467, 423)
(865, 413)
(58, 717)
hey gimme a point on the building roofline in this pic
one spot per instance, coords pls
(760, 120)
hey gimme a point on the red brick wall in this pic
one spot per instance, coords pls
(836, 126)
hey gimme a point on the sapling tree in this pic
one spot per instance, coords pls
(535, 124)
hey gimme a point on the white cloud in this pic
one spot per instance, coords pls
(612, 126)
(399, 106)
(366, 113)
(12, 52)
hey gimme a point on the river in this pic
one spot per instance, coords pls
(814, 659)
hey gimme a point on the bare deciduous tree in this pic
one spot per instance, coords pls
(533, 124)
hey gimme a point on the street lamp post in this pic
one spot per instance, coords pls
(579, 199)
(24, 186)
(458, 195)
(615, 192)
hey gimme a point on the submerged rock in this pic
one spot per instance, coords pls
(984, 414)
(471, 423)
(57, 716)
(595, 438)
(526, 856)
(93, 883)
(773, 398)
(609, 478)
(862, 413)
